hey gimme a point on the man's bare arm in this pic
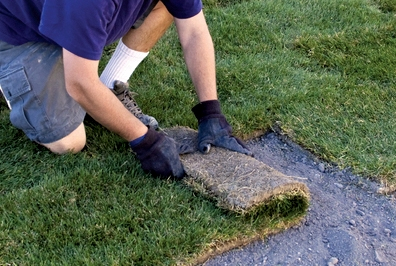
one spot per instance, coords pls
(84, 85)
(199, 55)
(213, 128)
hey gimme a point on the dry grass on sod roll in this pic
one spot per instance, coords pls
(236, 182)
(323, 70)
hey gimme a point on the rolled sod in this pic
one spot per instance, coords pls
(237, 182)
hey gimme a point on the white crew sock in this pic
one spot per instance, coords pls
(121, 65)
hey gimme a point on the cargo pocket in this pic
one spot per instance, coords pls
(15, 85)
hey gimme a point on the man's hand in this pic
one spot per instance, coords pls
(159, 155)
(213, 129)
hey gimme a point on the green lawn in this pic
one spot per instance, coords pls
(323, 70)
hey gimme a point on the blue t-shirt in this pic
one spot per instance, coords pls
(83, 27)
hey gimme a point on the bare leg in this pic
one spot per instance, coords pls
(74, 142)
(130, 52)
(147, 35)
(135, 45)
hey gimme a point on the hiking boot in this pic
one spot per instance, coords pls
(121, 90)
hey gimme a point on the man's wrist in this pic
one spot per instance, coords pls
(206, 108)
(151, 138)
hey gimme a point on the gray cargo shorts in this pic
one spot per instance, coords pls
(32, 81)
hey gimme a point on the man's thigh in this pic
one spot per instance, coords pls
(32, 81)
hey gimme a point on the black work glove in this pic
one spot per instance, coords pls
(213, 129)
(159, 155)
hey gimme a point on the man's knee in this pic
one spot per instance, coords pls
(74, 142)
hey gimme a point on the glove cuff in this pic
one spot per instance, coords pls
(148, 141)
(136, 142)
(206, 108)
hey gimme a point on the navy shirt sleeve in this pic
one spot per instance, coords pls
(183, 8)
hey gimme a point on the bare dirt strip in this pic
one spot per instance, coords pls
(348, 223)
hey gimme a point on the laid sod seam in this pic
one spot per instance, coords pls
(361, 103)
